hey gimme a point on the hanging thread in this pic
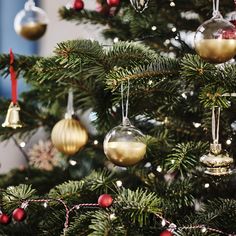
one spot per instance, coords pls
(216, 4)
(125, 107)
(215, 124)
(70, 104)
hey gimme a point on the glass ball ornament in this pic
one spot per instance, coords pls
(31, 22)
(124, 145)
(215, 40)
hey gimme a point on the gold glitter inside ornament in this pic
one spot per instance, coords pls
(32, 30)
(215, 40)
(124, 145)
(217, 163)
(69, 136)
(31, 23)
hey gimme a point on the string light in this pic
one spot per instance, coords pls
(119, 183)
(196, 125)
(112, 216)
(228, 141)
(95, 142)
(72, 162)
(148, 164)
(22, 144)
(159, 169)
(173, 29)
(154, 28)
(163, 223)
(206, 185)
(116, 40)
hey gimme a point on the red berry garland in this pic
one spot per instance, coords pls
(105, 200)
(113, 3)
(78, 5)
(4, 219)
(19, 214)
(166, 233)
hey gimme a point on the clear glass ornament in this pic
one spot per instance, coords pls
(124, 145)
(215, 40)
(31, 22)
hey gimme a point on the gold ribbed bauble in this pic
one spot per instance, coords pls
(68, 136)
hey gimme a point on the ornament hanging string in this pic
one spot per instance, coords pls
(216, 4)
(70, 104)
(13, 79)
(125, 107)
(215, 124)
(29, 4)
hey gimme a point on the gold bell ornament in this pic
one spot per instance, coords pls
(13, 113)
(215, 39)
(31, 22)
(124, 145)
(68, 135)
(13, 118)
(217, 162)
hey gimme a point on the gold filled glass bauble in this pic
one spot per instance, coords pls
(216, 161)
(215, 40)
(31, 23)
(68, 136)
(124, 145)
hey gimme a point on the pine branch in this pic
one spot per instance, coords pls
(162, 67)
(137, 206)
(185, 156)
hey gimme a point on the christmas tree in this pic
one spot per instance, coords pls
(152, 184)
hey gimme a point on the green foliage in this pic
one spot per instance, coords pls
(185, 157)
(13, 196)
(137, 206)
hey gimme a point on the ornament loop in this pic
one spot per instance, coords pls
(215, 124)
(29, 5)
(70, 105)
(216, 12)
(125, 108)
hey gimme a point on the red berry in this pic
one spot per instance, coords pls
(4, 219)
(113, 3)
(105, 200)
(19, 214)
(166, 233)
(78, 5)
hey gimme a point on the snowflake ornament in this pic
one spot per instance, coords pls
(44, 156)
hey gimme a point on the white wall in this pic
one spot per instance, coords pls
(60, 30)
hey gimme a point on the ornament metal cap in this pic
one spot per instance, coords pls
(13, 117)
(217, 163)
